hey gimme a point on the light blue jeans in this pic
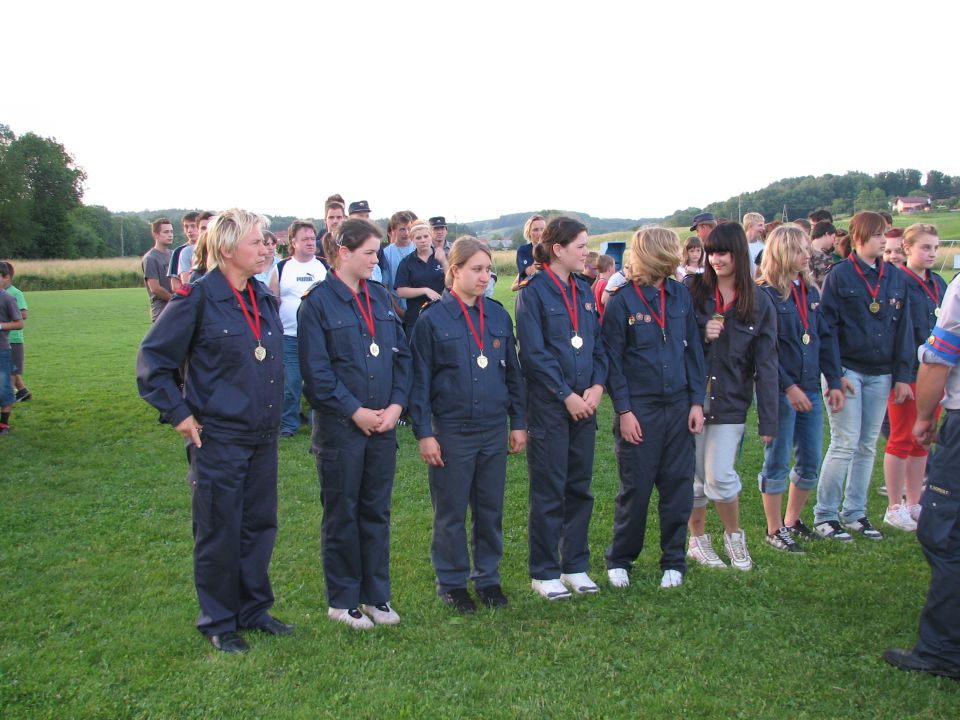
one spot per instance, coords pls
(292, 386)
(802, 433)
(853, 449)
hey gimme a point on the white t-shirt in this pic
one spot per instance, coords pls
(296, 278)
(755, 248)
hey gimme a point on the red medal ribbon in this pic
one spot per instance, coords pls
(661, 319)
(473, 329)
(801, 306)
(873, 291)
(721, 308)
(923, 284)
(254, 327)
(571, 310)
(368, 315)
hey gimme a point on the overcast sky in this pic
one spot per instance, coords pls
(472, 110)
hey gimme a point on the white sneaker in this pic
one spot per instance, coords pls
(580, 583)
(898, 516)
(914, 511)
(735, 545)
(618, 577)
(551, 589)
(671, 579)
(701, 550)
(381, 614)
(352, 617)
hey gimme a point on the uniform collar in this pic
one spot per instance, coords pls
(218, 287)
(340, 287)
(863, 265)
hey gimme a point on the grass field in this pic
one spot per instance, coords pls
(97, 609)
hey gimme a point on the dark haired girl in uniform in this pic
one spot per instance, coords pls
(804, 351)
(657, 387)
(357, 373)
(466, 383)
(565, 366)
(739, 330)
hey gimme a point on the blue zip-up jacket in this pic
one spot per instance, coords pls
(340, 374)
(801, 364)
(923, 311)
(878, 343)
(551, 365)
(647, 364)
(450, 391)
(235, 397)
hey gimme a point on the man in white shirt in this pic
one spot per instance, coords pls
(754, 226)
(288, 281)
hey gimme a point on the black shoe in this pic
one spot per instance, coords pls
(229, 642)
(23, 395)
(271, 626)
(459, 599)
(864, 527)
(492, 596)
(801, 531)
(287, 434)
(906, 660)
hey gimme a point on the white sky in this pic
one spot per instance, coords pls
(472, 110)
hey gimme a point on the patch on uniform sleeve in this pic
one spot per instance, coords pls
(496, 342)
(185, 289)
(945, 344)
(588, 307)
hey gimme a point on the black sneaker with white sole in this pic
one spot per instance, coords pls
(864, 527)
(833, 530)
(801, 531)
(783, 541)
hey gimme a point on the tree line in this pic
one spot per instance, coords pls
(840, 194)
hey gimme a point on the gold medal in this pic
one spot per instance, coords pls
(260, 353)
(374, 349)
(482, 361)
(718, 317)
(874, 307)
(805, 339)
(576, 341)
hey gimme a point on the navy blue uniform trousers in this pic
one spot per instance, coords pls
(234, 526)
(939, 534)
(356, 481)
(560, 465)
(664, 459)
(474, 474)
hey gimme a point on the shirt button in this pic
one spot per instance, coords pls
(269, 406)
(371, 377)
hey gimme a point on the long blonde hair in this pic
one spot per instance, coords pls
(654, 254)
(779, 253)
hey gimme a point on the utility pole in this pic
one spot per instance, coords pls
(121, 236)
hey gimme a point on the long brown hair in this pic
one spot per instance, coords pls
(730, 238)
(351, 234)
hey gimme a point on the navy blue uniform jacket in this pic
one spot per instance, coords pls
(550, 363)
(229, 392)
(800, 364)
(450, 390)
(870, 343)
(340, 375)
(645, 367)
(922, 310)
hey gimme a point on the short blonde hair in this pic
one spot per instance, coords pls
(463, 248)
(528, 225)
(776, 266)
(752, 218)
(654, 253)
(913, 233)
(416, 225)
(227, 230)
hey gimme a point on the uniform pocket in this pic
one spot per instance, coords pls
(228, 341)
(331, 475)
(937, 520)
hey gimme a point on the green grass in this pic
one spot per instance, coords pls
(97, 608)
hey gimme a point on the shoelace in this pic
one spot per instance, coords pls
(706, 547)
(786, 537)
(738, 548)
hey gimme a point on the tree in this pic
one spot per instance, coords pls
(840, 206)
(937, 185)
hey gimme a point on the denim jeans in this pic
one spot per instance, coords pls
(803, 434)
(716, 476)
(853, 449)
(292, 386)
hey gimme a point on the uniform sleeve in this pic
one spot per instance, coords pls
(943, 345)
(162, 353)
(421, 347)
(765, 357)
(693, 357)
(829, 352)
(614, 331)
(402, 368)
(904, 345)
(601, 363)
(516, 388)
(538, 362)
(320, 383)
(830, 313)
(403, 274)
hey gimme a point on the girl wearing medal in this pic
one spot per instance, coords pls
(739, 331)
(905, 460)
(865, 305)
(466, 383)
(357, 373)
(803, 356)
(656, 383)
(565, 366)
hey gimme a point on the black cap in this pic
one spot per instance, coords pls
(438, 221)
(702, 218)
(358, 206)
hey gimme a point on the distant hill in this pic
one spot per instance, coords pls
(507, 227)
